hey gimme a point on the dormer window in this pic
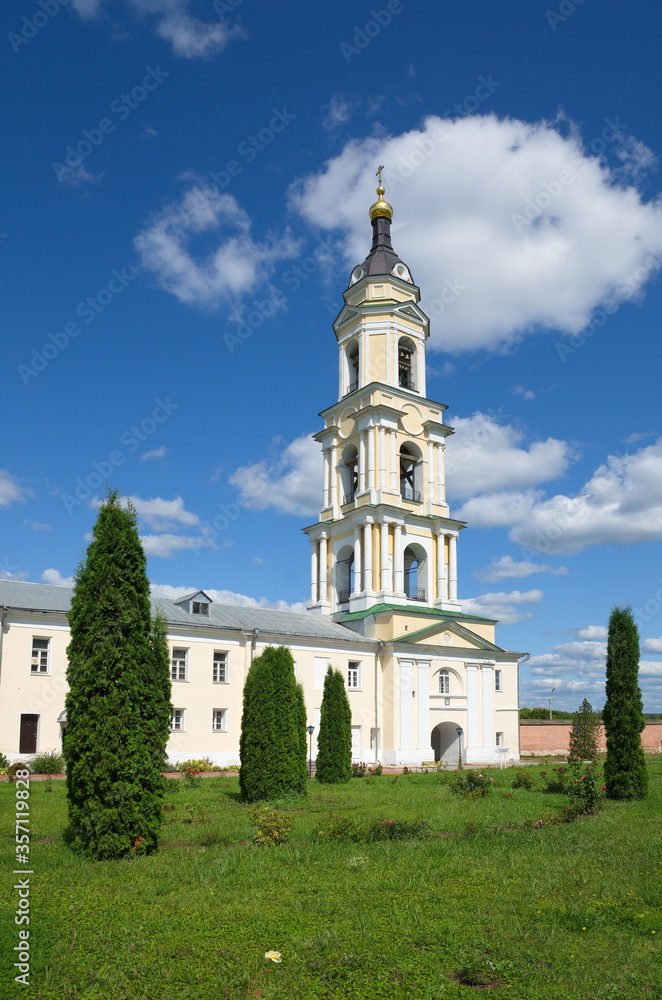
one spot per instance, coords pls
(200, 608)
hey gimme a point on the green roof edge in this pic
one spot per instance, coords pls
(353, 616)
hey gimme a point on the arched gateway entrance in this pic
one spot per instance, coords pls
(445, 742)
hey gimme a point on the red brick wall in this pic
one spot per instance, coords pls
(538, 736)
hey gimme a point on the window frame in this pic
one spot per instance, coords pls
(36, 669)
(199, 605)
(185, 651)
(181, 728)
(223, 712)
(500, 740)
(498, 680)
(444, 681)
(215, 663)
(354, 667)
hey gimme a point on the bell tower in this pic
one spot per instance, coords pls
(384, 535)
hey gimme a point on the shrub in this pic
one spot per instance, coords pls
(271, 828)
(4, 763)
(203, 764)
(359, 770)
(556, 783)
(523, 780)
(334, 744)
(471, 785)
(585, 787)
(19, 765)
(376, 770)
(397, 829)
(585, 733)
(49, 762)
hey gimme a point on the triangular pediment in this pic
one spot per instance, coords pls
(448, 634)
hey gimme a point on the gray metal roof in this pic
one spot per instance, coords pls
(382, 257)
(302, 624)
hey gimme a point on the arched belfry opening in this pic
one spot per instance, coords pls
(415, 573)
(353, 366)
(406, 363)
(344, 575)
(349, 473)
(410, 473)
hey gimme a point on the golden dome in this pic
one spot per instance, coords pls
(381, 207)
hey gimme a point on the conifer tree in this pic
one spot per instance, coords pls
(585, 733)
(625, 767)
(334, 744)
(118, 699)
(273, 729)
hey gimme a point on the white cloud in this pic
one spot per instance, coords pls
(224, 597)
(54, 577)
(11, 490)
(592, 632)
(165, 546)
(75, 176)
(338, 111)
(504, 607)
(486, 456)
(506, 568)
(621, 504)
(235, 267)
(652, 645)
(10, 572)
(461, 191)
(154, 453)
(520, 390)
(188, 36)
(37, 526)
(291, 482)
(162, 515)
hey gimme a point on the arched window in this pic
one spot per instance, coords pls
(415, 565)
(344, 575)
(406, 363)
(349, 473)
(353, 371)
(410, 473)
(444, 682)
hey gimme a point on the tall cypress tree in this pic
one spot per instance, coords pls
(273, 729)
(625, 767)
(334, 744)
(118, 698)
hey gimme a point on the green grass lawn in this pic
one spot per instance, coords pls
(484, 906)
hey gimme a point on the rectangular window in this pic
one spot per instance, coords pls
(499, 739)
(219, 720)
(444, 682)
(178, 665)
(40, 651)
(354, 674)
(497, 680)
(220, 668)
(178, 720)
(200, 608)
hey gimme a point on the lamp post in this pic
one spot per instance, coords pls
(311, 730)
(459, 732)
(550, 701)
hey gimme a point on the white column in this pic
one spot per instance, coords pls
(423, 698)
(394, 463)
(358, 575)
(333, 488)
(323, 571)
(442, 586)
(367, 555)
(452, 567)
(362, 463)
(441, 472)
(489, 729)
(313, 571)
(371, 457)
(382, 457)
(472, 733)
(397, 559)
(406, 741)
(386, 586)
(327, 477)
(431, 478)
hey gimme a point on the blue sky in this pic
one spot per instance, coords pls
(186, 192)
